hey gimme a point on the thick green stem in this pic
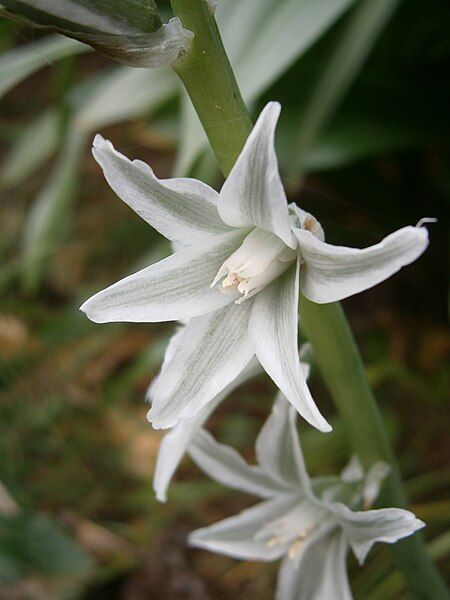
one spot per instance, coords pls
(209, 80)
(210, 83)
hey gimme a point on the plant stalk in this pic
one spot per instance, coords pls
(210, 83)
(209, 80)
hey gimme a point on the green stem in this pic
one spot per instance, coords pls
(339, 361)
(210, 83)
(209, 80)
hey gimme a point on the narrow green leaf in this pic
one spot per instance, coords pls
(21, 62)
(36, 543)
(122, 94)
(50, 213)
(286, 33)
(349, 55)
(264, 38)
(24, 157)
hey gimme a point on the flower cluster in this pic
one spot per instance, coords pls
(240, 259)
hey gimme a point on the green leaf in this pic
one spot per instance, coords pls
(122, 94)
(50, 213)
(264, 38)
(346, 59)
(289, 28)
(21, 62)
(24, 158)
(35, 543)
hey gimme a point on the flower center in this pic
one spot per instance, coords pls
(260, 259)
(294, 528)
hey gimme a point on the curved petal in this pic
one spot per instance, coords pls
(320, 574)
(177, 287)
(278, 450)
(183, 210)
(373, 481)
(237, 536)
(363, 528)
(253, 193)
(213, 351)
(223, 464)
(273, 329)
(331, 273)
(353, 471)
(176, 441)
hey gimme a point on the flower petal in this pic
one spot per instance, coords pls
(213, 351)
(331, 273)
(236, 536)
(177, 287)
(278, 450)
(273, 329)
(320, 574)
(373, 482)
(223, 464)
(353, 471)
(183, 210)
(253, 193)
(176, 441)
(363, 528)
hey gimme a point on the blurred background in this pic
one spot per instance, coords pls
(362, 143)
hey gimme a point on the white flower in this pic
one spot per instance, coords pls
(175, 443)
(309, 523)
(241, 257)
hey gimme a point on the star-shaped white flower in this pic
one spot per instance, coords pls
(308, 523)
(240, 258)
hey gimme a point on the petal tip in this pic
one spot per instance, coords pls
(98, 141)
(273, 106)
(160, 495)
(326, 428)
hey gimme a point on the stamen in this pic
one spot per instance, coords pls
(231, 280)
(425, 220)
(276, 540)
(296, 546)
(260, 259)
(294, 549)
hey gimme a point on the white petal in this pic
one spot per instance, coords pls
(223, 464)
(253, 193)
(213, 351)
(236, 536)
(362, 529)
(278, 450)
(331, 273)
(373, 482)
(353, 471)
(177, 287)
(176, 441)
(183, 210)
(321, 573)
(273, 328)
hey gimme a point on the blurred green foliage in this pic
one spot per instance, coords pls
(76, 452)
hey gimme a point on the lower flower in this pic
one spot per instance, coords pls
(308, 523)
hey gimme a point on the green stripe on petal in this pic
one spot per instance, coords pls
(177, 287)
